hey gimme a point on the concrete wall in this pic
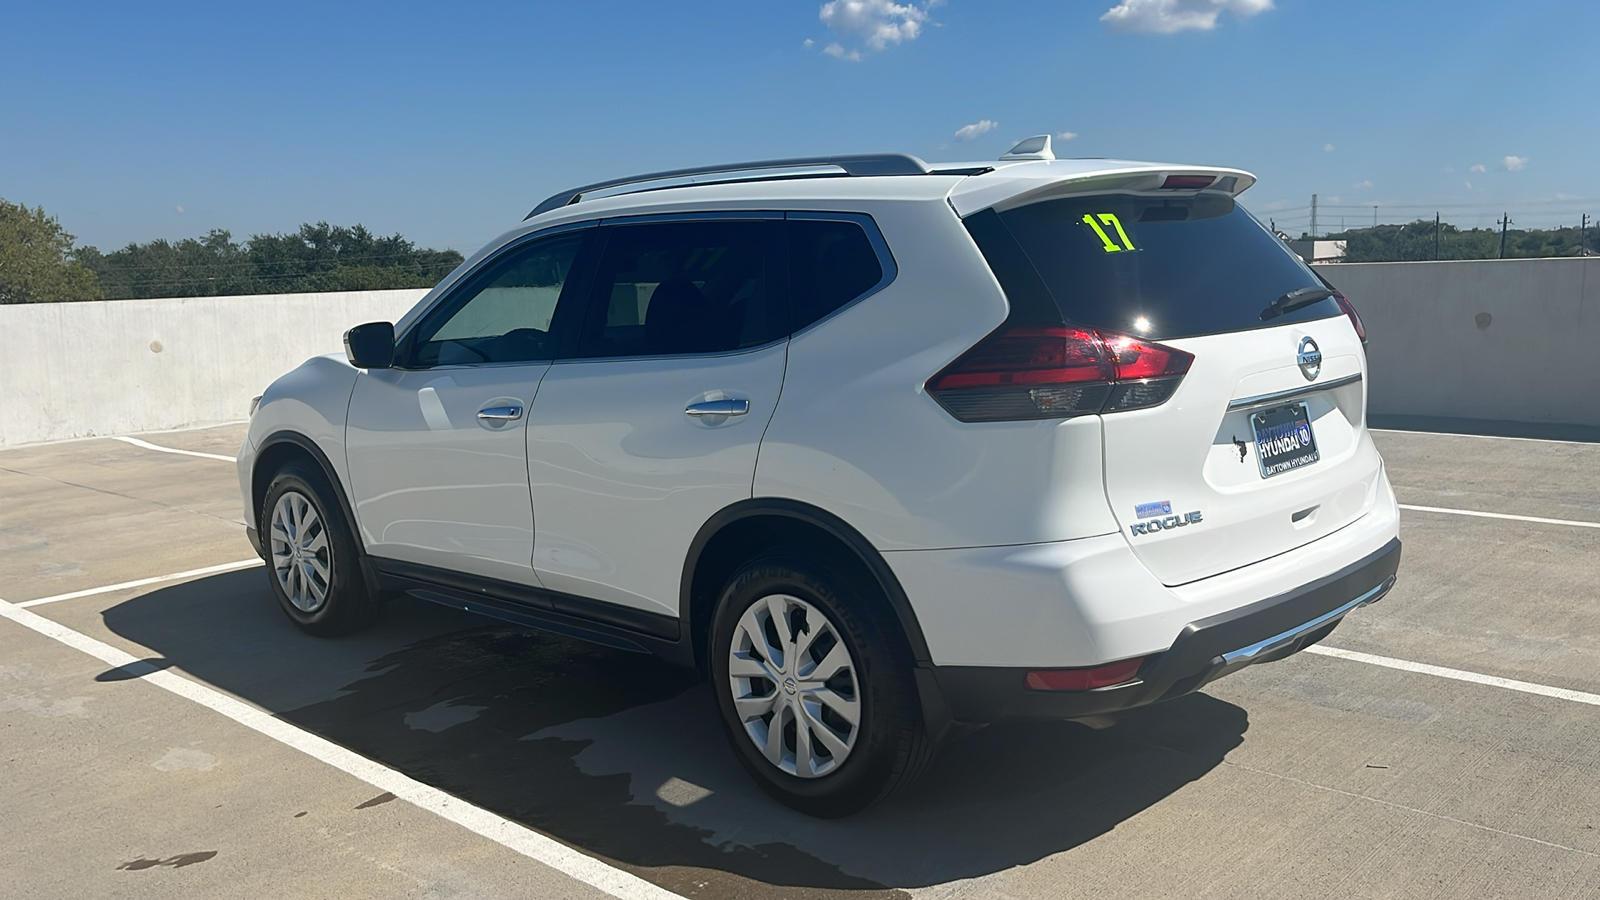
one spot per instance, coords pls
(1510, 340)
(120, 366)
(1516, 340)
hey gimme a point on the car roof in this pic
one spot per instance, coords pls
(968, 186)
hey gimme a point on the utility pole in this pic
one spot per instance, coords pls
(1374, 215)
(1313, 217)
(1505, 222)
(1436, 236)
(1583, 236)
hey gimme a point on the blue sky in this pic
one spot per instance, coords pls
(447, 122)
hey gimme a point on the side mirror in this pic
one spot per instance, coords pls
(370, 346)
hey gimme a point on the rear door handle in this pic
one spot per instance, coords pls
(500, 413)
(729, 407)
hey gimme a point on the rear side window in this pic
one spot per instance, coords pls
(830, 264)
(672, 288)
(1151, 267)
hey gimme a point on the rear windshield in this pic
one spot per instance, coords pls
(1152, 267)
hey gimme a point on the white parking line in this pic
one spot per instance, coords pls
(158, 448)
(176, 576)
(1489, 515)
(1488, 437)
(1509, 684)
(504, 832)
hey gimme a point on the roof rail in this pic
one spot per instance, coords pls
(858, 165)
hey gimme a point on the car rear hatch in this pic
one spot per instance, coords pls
(1234, 417)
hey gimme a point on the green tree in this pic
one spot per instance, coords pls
(318, 257)
(1416, 241)
(37, 260)
(192, 267)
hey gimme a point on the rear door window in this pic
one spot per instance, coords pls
(672, 288)
(1152, 267)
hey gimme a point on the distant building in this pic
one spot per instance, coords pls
(1319, 251)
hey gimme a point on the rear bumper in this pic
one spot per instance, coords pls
(1206, 649)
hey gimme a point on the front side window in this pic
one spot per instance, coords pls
(673, 288)
(505, 313)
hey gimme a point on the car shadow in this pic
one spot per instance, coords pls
(622, 755)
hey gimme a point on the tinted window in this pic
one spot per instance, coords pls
(830, 264)
(505, 312)
(682, 287)
(1149, 267)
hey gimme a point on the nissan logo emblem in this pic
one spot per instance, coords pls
(1309, 359)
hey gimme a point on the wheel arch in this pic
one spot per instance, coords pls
(746, 528)
(280, 448)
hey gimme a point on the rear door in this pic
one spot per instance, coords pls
(1263, 447)
(653, 425)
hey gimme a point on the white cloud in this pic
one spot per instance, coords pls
(1469, 185)
(1514, 163)
(807, 44)
(971, 132)
(1169, 16)
(1477, 168)
(1066, 135)
(1449, 169)
(875, 24)
(178, 208)
(1327, 148)
(1363, 184)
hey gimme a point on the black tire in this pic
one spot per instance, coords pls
(348, 604)
(892, 746)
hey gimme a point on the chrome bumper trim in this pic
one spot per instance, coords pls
(1246, 654)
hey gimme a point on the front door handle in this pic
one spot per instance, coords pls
(729, 407)
(500, 413)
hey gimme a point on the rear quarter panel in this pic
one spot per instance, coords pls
(856, 433)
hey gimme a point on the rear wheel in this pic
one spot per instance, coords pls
(311, 555)
(816, 691)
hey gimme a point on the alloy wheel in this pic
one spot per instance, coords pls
(301, 558)
(795, 686)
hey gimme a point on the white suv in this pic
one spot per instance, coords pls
(888, 450)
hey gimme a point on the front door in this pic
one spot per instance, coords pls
(654, 425)
(437, 446)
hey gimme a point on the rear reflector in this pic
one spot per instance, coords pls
(1057, 371)
(1119, 672)
(1187, 182)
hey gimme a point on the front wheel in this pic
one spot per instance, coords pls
(816, 693)
(311, 555)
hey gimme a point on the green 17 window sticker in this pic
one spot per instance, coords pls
(1109, 220)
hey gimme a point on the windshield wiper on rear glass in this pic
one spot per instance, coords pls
(1294, 300)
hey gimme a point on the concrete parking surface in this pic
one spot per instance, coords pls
(439, 755)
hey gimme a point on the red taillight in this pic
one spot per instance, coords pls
(1119, 672)
(1355, 318)
(1056, 371)
(1052, 354)
(1187, 182)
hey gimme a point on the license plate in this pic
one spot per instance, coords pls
(1283, 439)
